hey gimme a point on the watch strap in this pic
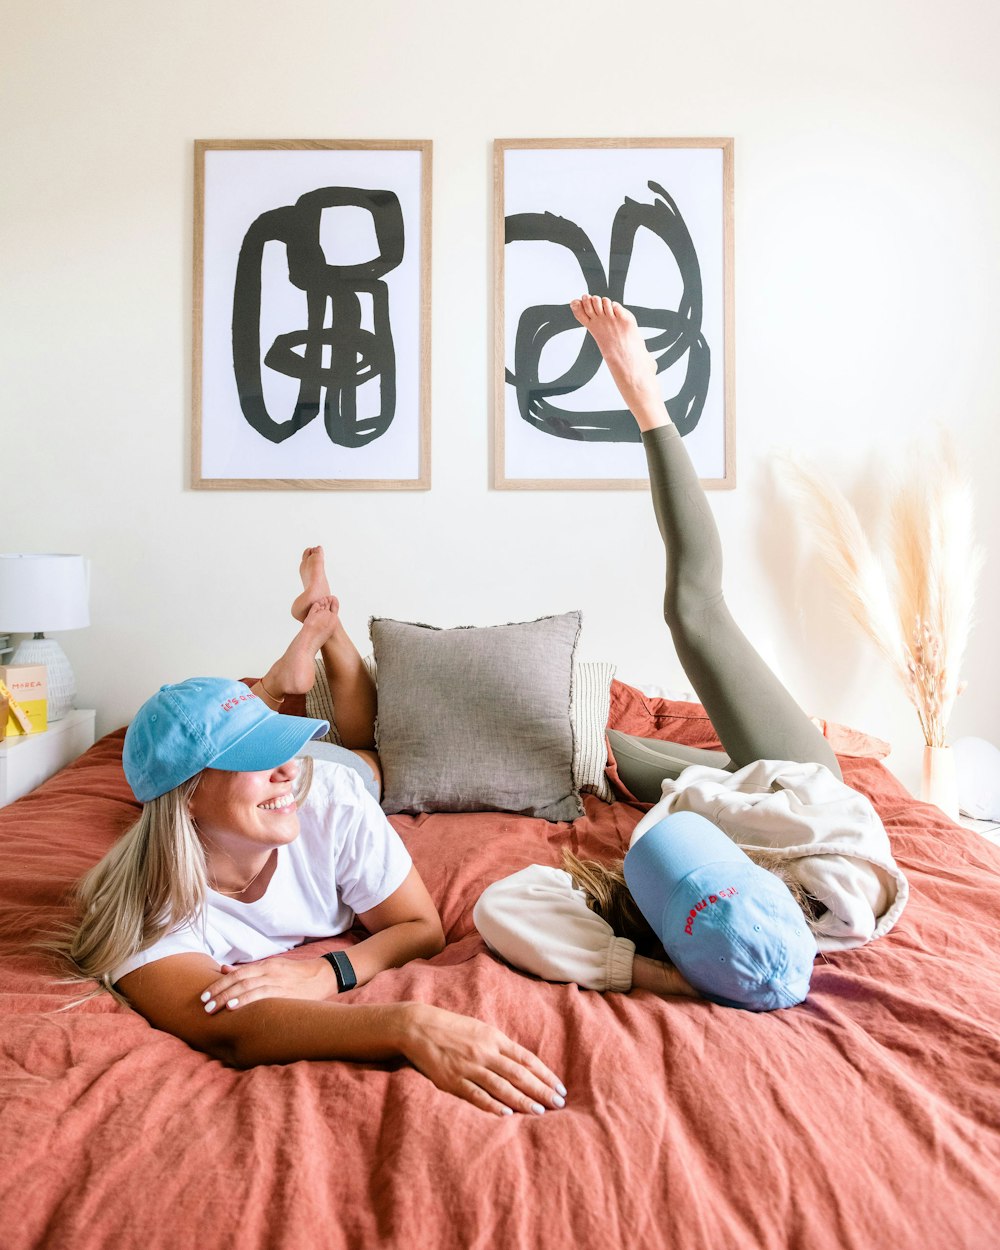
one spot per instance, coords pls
(344, 970)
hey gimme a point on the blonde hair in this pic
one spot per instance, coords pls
(609, 896)
(152, 880)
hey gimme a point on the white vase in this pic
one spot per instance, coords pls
(938, 783)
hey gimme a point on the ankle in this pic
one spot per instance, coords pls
(651, 417)
(270, 689)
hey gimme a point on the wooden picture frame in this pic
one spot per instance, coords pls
(648, 222)
(311, 314)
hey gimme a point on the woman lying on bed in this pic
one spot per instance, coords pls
(244, 851)
(733, 930)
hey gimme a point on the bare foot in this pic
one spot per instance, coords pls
(624, 350)
(312, 571)
(295, 672)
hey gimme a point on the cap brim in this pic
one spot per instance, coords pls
(269, 744)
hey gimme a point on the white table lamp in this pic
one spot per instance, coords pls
(39, 593)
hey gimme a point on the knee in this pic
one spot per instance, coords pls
(371, 758)
(687, 608)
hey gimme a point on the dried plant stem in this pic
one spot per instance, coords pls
(915, 598)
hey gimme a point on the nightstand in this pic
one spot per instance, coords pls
(985, 828)
(26, 761)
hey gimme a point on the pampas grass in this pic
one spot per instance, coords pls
(914, 593)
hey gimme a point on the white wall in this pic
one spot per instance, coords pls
(867, 212)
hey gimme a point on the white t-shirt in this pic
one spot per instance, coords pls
(346, 859)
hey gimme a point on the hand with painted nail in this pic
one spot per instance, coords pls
(269, 978)
(479, 1063)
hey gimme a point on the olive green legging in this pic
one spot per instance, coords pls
(753, 714)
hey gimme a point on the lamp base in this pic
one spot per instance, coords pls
(62, 683)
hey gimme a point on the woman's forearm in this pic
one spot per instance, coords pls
(282, 1030)
(660, 978)
(395, 946)
(461, 1055)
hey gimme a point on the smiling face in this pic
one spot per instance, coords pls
(246, 812)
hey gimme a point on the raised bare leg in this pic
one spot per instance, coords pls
(352, 690)
(295, 671)
(753, 714)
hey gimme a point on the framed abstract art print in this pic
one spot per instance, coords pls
(311, 315)
(646, 222)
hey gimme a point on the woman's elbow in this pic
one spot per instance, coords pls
(226, 1045)
(247, 1047)
(433, 941)
(228, 1053)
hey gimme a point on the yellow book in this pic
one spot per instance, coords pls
(27, 688)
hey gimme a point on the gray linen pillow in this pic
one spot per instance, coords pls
(589, 709)
(477, 719)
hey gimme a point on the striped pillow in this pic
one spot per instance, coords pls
(590, 702)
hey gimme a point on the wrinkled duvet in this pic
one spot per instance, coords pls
(868, 1115)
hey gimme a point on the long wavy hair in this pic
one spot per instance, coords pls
(153, 879)
(609, 896)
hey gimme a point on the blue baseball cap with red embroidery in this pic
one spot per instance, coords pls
(731, 928)
(208, 722)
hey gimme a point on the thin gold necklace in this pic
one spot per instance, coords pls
(235, 893)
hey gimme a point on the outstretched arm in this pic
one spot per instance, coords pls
(460, 1055)
(538, 920)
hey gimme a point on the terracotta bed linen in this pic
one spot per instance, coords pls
(871, 1114)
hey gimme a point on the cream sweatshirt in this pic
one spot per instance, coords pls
(836, 845)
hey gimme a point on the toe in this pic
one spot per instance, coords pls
(623, 314)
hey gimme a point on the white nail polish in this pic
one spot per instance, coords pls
(210, 1006)
(561, 1088)
(558, 1101)
(233, 1002)
(538, 1108)
(204, 997)
(507, 1110)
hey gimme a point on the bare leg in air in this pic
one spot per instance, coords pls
(352, 690)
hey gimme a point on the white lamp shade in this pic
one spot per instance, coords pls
(46, 592)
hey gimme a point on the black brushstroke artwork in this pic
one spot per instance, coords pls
(356, 355)
(681, 327)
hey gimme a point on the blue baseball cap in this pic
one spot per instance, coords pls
(730, 927)
(208, 722)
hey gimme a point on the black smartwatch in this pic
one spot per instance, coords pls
(346, 978)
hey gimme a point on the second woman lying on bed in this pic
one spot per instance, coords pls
(244, 851)
(739, 932)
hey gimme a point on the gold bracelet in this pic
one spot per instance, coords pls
(273, 698)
